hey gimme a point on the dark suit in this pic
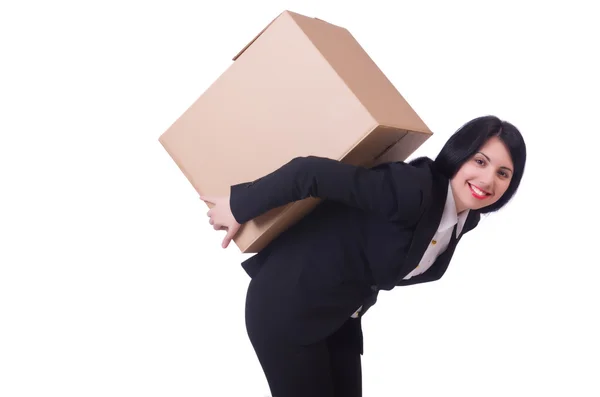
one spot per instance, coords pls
(370, 231)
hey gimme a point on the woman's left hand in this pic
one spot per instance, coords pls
(221, 217)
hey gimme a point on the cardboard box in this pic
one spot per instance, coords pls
(301, 87)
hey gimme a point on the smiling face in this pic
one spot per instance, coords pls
(483, 178)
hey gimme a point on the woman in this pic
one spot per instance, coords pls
(395, 224)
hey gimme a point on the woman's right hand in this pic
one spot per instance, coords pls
(221, 217)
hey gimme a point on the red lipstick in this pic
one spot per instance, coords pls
(477, 195)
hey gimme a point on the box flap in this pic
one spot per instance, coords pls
(258, 35)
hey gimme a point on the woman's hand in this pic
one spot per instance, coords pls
(221, 217)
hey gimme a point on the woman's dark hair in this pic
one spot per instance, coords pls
(469, 138)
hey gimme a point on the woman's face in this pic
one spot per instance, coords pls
(483, 178)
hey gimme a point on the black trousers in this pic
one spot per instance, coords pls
(327, 368)
(330, 367)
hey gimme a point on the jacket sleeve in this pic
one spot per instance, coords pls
(392, 190)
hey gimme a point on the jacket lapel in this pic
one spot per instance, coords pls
(428, 225)
(440, 266)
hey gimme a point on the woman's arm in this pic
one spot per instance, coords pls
(392, 190)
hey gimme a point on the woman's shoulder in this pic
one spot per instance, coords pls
(414, 184)
(422, 167)
(420, 173)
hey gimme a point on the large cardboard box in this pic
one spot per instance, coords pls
(301, 87)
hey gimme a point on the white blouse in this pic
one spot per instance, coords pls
(441, 239)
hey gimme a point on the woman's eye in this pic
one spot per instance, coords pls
(479, 161)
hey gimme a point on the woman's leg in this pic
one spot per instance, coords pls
(295, 370)
(345, 348)
(291, 369)
(293, 366)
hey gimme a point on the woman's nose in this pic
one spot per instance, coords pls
(487, 181)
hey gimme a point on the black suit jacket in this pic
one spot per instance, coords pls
(370, 231)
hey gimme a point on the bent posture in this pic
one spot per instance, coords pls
(392, 225)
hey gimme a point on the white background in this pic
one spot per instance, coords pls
(112, 282)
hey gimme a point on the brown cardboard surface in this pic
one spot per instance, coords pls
(301, 87)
